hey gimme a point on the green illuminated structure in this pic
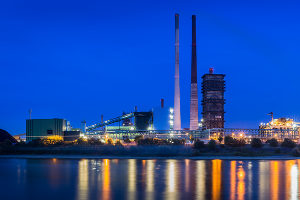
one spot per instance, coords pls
(39, 128)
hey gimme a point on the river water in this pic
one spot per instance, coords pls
(66, 179)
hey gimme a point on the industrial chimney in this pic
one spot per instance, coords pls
(177, 118)
(162, 103)
(194, 85)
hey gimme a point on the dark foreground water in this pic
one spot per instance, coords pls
(148, 179)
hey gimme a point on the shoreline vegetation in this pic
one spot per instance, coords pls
(153, 148)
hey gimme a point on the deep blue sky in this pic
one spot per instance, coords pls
(80, 59)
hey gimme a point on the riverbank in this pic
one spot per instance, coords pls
(149, 152)
(147, 158)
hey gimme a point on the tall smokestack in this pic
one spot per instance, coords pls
(177, 118)
(162, 103)
(194, 86)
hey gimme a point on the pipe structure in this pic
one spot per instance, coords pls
(177, 118)
(194, 84)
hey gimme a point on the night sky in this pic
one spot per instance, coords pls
(80, 59)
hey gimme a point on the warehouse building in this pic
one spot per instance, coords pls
(163, 117)
(40, 128)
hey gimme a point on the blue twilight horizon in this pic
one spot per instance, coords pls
(80, 59)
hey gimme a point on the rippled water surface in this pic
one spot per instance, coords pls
(148, 179)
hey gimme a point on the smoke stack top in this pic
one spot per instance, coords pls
(162, 103)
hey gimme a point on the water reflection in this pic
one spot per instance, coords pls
(171, 179)
(187, 175)
(274, 180)
(154, 179)
(264, 180)
(241, 182)
(294, 182)
(150, 180)
(232, 179)
(131, 179)
(83, 180)
(289, 164)
(216, 179)
(106, 180)
(250, 180)
(201, 179)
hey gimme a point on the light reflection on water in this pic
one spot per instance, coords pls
(171, 180)
(200, 179)
(106, 180)
(149, 179)
(216, 179)
(131, 179)
(83, 180)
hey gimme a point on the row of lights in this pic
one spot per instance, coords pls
(171, 118)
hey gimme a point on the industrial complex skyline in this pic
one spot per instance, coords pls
(149, 99)
(77, 62)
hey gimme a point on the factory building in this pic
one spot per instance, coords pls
(143, 120)
(280, 123)
(163, 117)
(213, 88)
(39, 128)
(279, 128)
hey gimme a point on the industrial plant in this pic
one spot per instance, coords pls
(165, 122)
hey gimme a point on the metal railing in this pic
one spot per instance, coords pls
(206, 134)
